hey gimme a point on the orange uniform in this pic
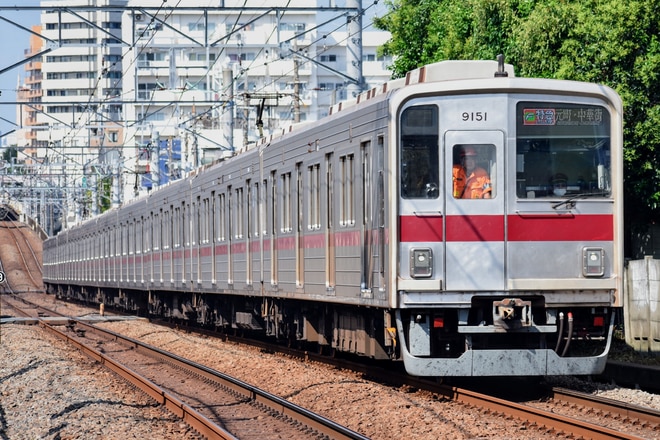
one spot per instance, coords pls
(478, 185)
(458, 178)
(474, 186)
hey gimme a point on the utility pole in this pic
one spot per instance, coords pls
(354, 49)
(296, 90)
(228, 114)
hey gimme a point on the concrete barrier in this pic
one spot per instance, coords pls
(641, 308)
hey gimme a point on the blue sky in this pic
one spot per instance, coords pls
(14, 43)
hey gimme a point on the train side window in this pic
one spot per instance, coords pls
(273, 205)
(419, 152)
(167, 230)
(473, 171)
(206, 217)
(286, 205)
(195, 231)
(222, 217)
(347, 202)
(263, 204)
(147, 231)
(176, 230)
(248, 210)
(143, 244)
(254, 210)
(124, 239)
(157, 231)
(239, 213)
(314, 206)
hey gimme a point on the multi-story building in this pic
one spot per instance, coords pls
(30, 92)
(138, 92)
(30, 179)
(82, 109)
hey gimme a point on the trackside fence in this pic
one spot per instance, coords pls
(641, 309)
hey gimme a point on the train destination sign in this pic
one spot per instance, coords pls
(563, 116)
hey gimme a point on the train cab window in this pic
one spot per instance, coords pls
(419, 152)
(562, 150)
(473, 171)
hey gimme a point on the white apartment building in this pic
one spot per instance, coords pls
(137, 92)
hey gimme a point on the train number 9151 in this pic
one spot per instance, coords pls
(474, 116)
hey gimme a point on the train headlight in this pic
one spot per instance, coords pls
(421, 263)
(593, 262)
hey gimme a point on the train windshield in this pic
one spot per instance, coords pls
(562, 150)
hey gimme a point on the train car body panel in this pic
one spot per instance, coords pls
(369, 231)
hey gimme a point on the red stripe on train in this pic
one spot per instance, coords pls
(542, 227)
(475, 228)
(592, 227)
(417, 229)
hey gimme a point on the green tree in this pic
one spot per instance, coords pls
(604, 41)
(409, 22)
(104, 191)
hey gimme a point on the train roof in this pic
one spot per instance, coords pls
(449, 70)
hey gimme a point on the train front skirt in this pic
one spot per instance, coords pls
(503, 362)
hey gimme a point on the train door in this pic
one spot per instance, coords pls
(381, 209)
(250, 213)
(230, 238)
(274, 267)
(184, 235)
(244, 218)
(143, 245)
(213, 218)
(366, 222)
(474, 228)
(330, 279)
(197, 234)
(298, 231)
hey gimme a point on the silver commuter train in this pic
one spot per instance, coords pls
(350, 232)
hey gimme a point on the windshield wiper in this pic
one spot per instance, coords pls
(570, 201)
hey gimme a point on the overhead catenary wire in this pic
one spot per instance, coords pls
(220, 106)
(93, 108)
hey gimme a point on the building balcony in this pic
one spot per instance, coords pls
(34, 78)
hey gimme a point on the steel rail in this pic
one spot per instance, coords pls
(271, 401)
(527, 414)
(604, 404)
(196, 420)
(15, 230)
(557, 422)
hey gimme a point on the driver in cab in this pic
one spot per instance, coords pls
(469, 180)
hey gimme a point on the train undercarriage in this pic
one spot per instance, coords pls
(447, 338)
(361, 331)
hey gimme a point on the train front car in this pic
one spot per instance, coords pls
(509, 222)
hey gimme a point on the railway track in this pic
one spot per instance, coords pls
(609, 408)
(219, 406)
(563, 411)
(585, 416)
(20, 258)
(214, 404)
(550, 412)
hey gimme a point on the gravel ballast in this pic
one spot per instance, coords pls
(50, 391)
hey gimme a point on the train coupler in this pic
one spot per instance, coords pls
(512, 313)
